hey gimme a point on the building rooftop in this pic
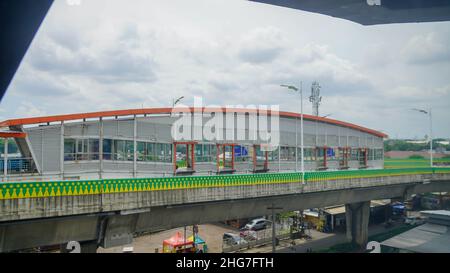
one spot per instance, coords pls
(334, 210)
(159, 111)
(427, 238)
(432, 237)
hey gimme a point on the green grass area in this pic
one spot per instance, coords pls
(390, 233)
(183, 163)
(349, 247)
(394, 163)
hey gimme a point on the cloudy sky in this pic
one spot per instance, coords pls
(111, 54)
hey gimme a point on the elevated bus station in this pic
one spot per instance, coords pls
(139, 143)
(116, 173)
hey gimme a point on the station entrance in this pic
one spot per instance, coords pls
(183, 158)
(260, 158)
(344, 154)
(362, 158)
(225, 158)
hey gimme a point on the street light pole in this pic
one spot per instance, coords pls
(175, 101)
(274, 238)
(301, 131)
(431, 131)
(431, 140)
(296, 143)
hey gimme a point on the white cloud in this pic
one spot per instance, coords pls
(111, 55)
(261, 45)
(427, 48)
(28, 109)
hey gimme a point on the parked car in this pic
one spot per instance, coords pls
(257, 224)
(248, 234)
(414, 221)
(233, 239)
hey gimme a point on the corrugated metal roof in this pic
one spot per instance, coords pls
(335, 210)
(311, 213)
(341, 209)
(153, 111)
(381, 202)
(428, 238)
(443, 213)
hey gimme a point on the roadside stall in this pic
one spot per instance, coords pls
(200, 244)
(178, 244)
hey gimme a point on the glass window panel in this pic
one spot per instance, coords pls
(92, 153)
(69, 149)
(129, 149)
(119, 150)
(107, 149)
(151, 152)
(141, 151)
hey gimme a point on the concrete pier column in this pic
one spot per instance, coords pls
(357, 222)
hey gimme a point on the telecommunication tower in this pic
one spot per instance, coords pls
(315, 98)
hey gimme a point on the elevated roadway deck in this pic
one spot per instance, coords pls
(108, 212)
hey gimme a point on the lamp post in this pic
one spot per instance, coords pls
(174, 102)
(431, 131)
(274, 235)
(295, 89)
(326, 132)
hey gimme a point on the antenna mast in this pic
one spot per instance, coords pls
(315, 98)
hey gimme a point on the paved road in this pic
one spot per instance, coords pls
(319, 241)
(211, 233)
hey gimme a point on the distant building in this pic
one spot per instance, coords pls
(444, 142)
(407, 154)
(435, 200)
(333, 218)
(418, 141)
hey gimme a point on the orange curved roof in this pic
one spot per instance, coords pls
(168, 110)
(12, 134)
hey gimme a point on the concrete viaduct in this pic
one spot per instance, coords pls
(107, 213)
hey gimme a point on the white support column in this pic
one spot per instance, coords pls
(42, 151)
(346, 130)
(317, 135)
(303, 135)
(100, 149)
(134, 147)
(431, 140)
(339, 136)
(5, 159)
(61, 157)
(296, 144)
(279, 158)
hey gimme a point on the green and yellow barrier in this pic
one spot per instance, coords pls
(22, 190)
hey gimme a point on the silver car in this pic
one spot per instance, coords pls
(233, 239)
(257, 224)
